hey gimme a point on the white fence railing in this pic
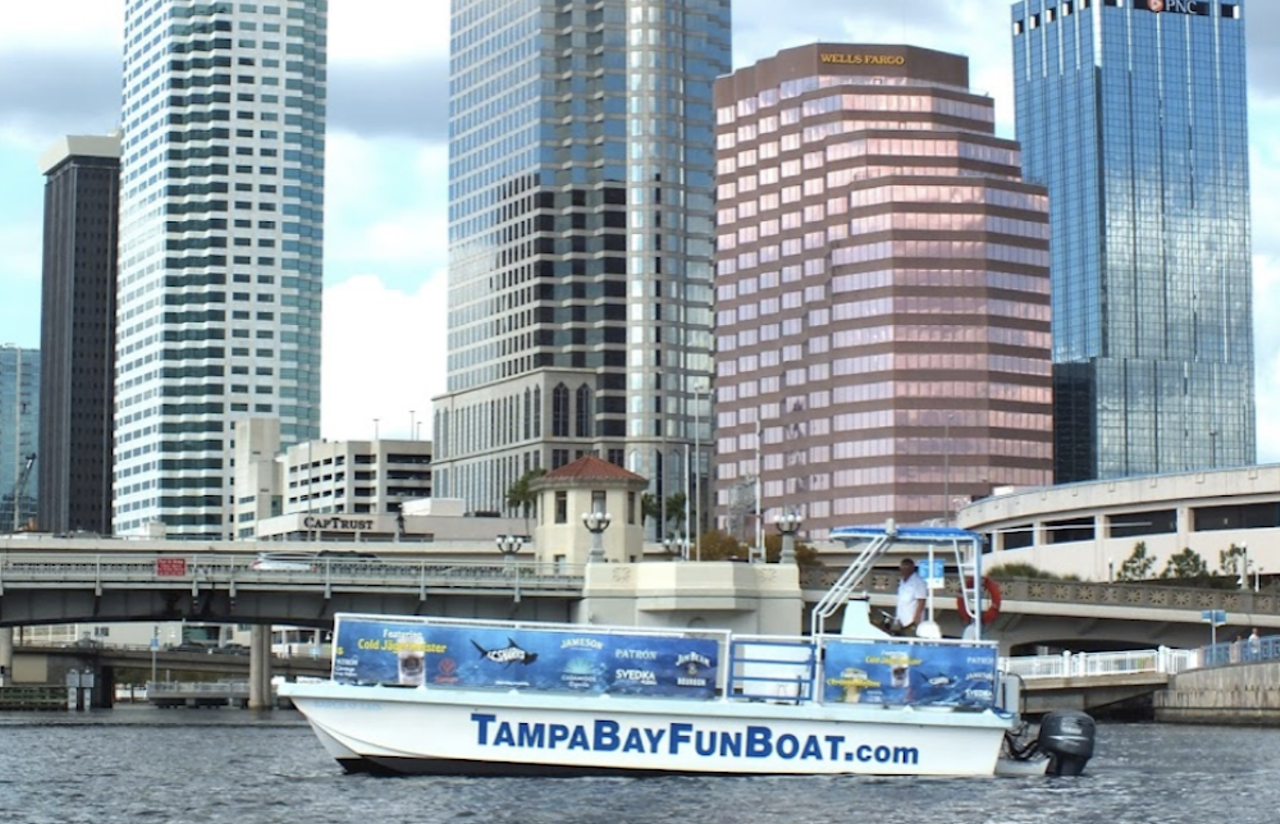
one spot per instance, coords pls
(1162, 660)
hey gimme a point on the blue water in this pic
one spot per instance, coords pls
(146, 766)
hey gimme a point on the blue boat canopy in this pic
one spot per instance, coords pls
(908, 534)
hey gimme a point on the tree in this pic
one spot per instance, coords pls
(806, 555)
(1023, 570)
(1138, 566)
(523, 496)
(1186, 565)
(717, 545)
(650, 510)
(1231, 560)
(675, 513)
(671, 513)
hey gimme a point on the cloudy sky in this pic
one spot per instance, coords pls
(385, 250)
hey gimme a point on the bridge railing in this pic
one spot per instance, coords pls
(1161, 660)
(1241, 651)
(195, 689)
(199, 569)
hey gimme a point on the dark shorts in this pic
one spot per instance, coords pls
(900, 631)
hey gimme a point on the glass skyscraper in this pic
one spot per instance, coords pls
(19, 430)
(882, 292)
(221, 216)
(77, 333)
(1133, 114)
(580, 233)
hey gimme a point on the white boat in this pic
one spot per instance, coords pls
(424, 695)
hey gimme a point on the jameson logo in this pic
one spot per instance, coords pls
(864, 59)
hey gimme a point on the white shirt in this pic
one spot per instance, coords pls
(910, 592)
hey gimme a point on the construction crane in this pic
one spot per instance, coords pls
(23, 476)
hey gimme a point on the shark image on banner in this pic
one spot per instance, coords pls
(508, 655)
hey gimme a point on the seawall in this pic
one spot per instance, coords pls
(1237, 694)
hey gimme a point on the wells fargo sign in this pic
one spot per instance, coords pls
(864, 59)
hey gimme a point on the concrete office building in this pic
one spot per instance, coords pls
(220, 277)
(882, 316)
(1133, 114)
(580, 234)
(1090, 529)
(77, 333)
(366, 483)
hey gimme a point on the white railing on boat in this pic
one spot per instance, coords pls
(1162, 660)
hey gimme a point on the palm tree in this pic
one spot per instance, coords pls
(650, 509)
(523, 496)
(675, 512)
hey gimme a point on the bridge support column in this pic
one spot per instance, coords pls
(260, 667)
(6, 656)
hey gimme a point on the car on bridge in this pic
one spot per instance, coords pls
(284, 562)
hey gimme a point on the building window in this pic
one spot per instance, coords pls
(562, 507)
(560, 411)
(582, 428)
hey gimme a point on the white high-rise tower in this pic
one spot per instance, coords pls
(221, 216)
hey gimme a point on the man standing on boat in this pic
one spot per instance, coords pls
(911, 599)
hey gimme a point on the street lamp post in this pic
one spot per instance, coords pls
(155, 645)
(596, 523)
(509, 545)
(788, 524)
(946, 471)
(697, 473)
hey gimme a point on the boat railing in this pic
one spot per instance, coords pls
(835, 668)
(838, 595)
(772, 669)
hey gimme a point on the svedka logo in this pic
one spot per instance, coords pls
(864, 59)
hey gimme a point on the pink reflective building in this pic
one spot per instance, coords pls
(882, 292)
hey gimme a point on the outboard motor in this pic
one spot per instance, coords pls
(1067, 738)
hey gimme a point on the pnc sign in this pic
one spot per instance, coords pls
(1199, 7)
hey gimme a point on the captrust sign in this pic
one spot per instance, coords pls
(344, 524)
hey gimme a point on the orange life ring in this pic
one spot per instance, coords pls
(993, 595)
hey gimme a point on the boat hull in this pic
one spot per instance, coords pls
(476, 732)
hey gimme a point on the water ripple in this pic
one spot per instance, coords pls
(226, 767)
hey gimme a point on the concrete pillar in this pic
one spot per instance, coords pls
(260, 667)
(6, 656)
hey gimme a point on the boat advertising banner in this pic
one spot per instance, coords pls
(416, 653)
(869, 672)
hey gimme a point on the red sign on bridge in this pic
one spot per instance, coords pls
(171, 567)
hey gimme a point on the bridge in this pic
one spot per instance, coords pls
(215, 586)
(71, 587)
